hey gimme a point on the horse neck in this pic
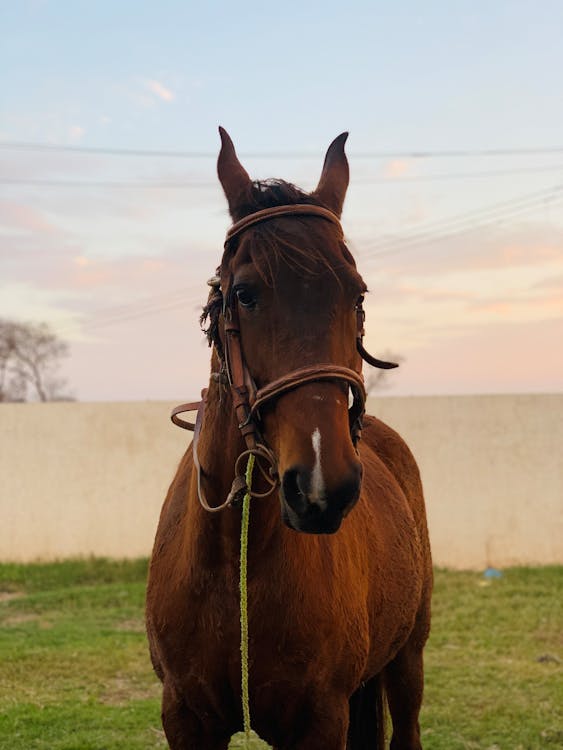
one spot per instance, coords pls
(217, 535)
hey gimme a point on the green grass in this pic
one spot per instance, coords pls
(494, 676)
(75, 672)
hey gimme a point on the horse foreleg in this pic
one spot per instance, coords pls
(404, 681)
(326, 732)
(183, 729)
(325, 729)
(367, 720)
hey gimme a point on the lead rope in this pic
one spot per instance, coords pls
(244, 601)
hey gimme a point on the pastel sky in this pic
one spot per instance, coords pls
(463, 254)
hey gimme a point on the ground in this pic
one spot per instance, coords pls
(75, 672)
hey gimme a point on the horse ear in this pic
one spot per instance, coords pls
(232, 175)
(335, 176)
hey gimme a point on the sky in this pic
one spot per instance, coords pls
(112, 219)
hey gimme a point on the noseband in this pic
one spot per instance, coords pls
(247, 400)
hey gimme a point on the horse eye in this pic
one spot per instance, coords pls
(245, 297)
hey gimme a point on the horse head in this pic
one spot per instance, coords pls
(291, 284)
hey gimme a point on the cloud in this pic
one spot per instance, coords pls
(21, 165)
(22, 218)
(107, 275)
(429, 294)
(76, 133)
(396, 168)
(59, 262)
(536, 306)
(25, 301)
(503, 356)
(551, 282)
(159, 90)
(88, 298)
(483, 249)
(419, 301)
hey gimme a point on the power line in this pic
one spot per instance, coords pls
(169, 296)
(458, 175)
(107, 184)
(146, 306)
(164, 307)
(20, 146)
(110, 184)
(544, 194)
(463, 223)
(181, 154)
(456, 232)
(94, 323)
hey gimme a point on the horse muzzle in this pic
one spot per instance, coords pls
(311, 509)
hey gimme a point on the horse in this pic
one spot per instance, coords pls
(339, 566)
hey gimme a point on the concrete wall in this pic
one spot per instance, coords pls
(89, 479)
(492, 469)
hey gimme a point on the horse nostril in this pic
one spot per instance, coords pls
(338, 499)
(294, 488)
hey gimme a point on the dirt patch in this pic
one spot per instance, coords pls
(22, 619)
(19, 619)
(121, 690)
(132, 625)
(7, 596)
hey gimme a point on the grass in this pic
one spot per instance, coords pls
(75, 672)
(494, 677)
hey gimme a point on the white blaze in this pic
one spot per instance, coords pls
(317, 481)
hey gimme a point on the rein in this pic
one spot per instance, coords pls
(247, 400)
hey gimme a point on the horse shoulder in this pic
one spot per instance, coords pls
(174, 506)
(392, 450)
(387, 447)
(388, 451)
(164, 568)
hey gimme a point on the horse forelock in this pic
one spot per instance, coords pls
(308, 245)
(262, 194)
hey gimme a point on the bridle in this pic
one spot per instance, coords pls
(247, 399)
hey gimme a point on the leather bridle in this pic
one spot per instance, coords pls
(247, 399)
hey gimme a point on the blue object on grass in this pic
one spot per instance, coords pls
(492, 573)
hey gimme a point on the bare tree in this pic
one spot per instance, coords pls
(378, 380)
(30, 356)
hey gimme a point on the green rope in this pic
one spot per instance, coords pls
(244, 601)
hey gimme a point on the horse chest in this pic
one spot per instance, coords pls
(295, 625)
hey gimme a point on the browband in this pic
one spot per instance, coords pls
(305, 209)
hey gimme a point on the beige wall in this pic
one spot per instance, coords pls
(492, 469)
(89, 479)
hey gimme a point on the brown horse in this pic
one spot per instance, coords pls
(338, 621)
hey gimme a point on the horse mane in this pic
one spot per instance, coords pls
(269, 193)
